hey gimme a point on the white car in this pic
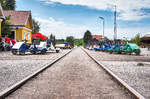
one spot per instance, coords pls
(52, 48)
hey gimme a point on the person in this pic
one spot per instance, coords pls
(7, 40)
(13, 42)
(7, 44)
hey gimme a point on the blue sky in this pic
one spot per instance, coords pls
(73, 17)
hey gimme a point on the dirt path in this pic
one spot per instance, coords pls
(74, 77)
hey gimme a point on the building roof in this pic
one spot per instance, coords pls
(18, 18)
(146, 37)
(98, 37)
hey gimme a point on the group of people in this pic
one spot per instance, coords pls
(6, 43)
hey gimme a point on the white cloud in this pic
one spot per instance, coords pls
(133, 15)
(129, 32)
(47, 2)
(128, 9)
(125, 32)
(61, 29)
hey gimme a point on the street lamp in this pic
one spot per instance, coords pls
(115, 23)
(103, 24)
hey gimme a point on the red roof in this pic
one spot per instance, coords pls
(98, 37)
(18, 17)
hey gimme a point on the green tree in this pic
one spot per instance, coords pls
(36, 26)
(105, 38)
(53, 39)
(9, 4)
(138, 40)
(70, 40)
(78, 42)
(60, 41)
(6, 30)
(87, 37)
(3, 3)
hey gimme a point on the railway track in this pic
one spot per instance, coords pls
(73, 76)
(116, 78)
(16, 86)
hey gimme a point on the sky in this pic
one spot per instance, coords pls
(73, 17)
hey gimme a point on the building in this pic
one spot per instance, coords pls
(97, 37)
(145, 40)
(1, 18)
(96, 40)
(21, 24)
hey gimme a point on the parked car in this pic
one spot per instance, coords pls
(52, 48)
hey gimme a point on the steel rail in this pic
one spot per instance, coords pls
(120, 81)
(16, 86)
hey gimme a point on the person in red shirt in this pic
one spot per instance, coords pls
(13, 42)
(7, 40)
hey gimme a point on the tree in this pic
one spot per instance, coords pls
(8, 4)
(87, 37)
(53, 39)
(138, 39)
(60, 41)
(36, 26)
(106, 39)
(70, 40)
(78, 42)
(3, 3)
(6, 30)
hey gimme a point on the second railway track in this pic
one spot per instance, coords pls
(130, 90)
(76, 76)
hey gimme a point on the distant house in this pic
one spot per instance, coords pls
(97, 37)
(2, 16)
(96, 40)
(21, 25)
(146, 40)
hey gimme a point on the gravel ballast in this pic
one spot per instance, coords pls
(14, 68)
(76, 76)
(126, 67)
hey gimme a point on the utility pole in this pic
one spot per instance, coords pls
(115, 23)
(103, 25)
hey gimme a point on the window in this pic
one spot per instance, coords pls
(29, 37)
(24, 35)
(12, 35)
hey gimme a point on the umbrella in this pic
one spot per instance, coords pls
(39, 35)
